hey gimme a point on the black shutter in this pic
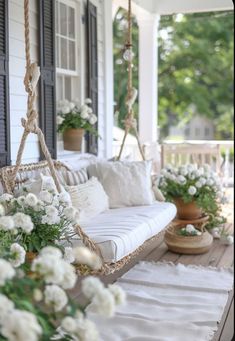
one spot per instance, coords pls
(4, 86)
(92, 69)
(48, 74)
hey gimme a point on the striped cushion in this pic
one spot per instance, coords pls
(72, 178)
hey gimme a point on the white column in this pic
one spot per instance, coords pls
(148, 77)
(108, 77)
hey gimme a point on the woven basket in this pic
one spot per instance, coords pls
(190, 245)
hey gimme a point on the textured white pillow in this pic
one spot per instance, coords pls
(126, 183)
(89, 198)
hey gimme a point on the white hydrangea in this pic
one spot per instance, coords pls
(93, 119)
(2, 210)
(69, 324)
(5, 197)
(198, 184)
(90, 286)
(181, 179)
(31, 200)
(192, 190)
(192, 176)
(51, 251)
(21, 200)
(6, 271)
(23, 221)
(69, 255)
(88, 101)
(203, 181)
(52, 216)
(103, 303)
(69, 276)
(6, 223)
(183, 170)
(118, 294)
(64, 198)
(210, 182)
(21, 326)
(86, 331)
(17, 256)
(6, 307)
(84, 256)
(55, 297)
(71, 214)
(59, 120)
(84, 114)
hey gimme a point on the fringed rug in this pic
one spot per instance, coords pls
(168, 302)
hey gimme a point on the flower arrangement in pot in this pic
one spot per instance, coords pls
(73, 120)
(38, 307)
(35, 222)
(194, 190)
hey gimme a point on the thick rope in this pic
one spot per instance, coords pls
(30, 125)
(130, 121)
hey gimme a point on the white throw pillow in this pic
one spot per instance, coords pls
(126, 183)
(89, 198)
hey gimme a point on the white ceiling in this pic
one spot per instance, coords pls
(183, 6)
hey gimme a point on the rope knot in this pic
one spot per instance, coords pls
(31, 78)
(130, 122)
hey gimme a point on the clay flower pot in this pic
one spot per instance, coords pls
(187, 211)
(73, 139)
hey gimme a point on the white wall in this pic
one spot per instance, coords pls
(18, 98)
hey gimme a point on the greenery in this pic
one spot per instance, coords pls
(195, 69)
(191, 183)
(72, 116)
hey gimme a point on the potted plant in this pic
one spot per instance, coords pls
(73, 120)
(37, 306)
(194, 190)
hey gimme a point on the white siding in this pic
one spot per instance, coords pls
(18, 97)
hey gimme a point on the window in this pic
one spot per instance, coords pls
(67, 39)
(207, 131)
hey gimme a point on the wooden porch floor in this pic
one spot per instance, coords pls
(218, 256)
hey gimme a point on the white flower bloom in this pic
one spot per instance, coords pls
(17, 255)
(90, 287)
(118, 294)
(2, 210)
(93, 119)
(21, 200)
(46, 196)
(163, 172)
(207, 168)
(88, 101)
(84, 114)
(6, 307)
(210, 182)
(69, 276)
(23, 221)
(103, 303)
(65, 109)
(6, 223)
(64, 198)
(50, 219)
(172, 177)
(6, 271)
(86, 331)
(21, 326)
(192, 190)
(183, 170)
(69, 255)
(51, 251)
(90, 111)
(31, 199)
(198, 184)
(59, 120)
(5, 197)
(181, 179)
(51, 211)
(69, 324)
(55, 297)
(37, 295)
(71, 214)
(49, 267)
(192, 176)
(190, 228)
(203, 181)
(71, 105)
(84, 256)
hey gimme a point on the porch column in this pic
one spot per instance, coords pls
(148, 77)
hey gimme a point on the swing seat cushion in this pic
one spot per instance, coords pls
(119, 232)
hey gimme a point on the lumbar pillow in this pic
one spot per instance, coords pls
(126, 183)
(89, 198)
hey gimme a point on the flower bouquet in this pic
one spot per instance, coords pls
(37, 307)
(195, 191)
(73, 120)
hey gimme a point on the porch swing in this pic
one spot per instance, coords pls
(11, 175)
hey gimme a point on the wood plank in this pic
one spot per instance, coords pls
(228, 329)
(222, 326)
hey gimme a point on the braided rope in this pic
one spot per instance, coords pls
(30, 125)
(130, 121)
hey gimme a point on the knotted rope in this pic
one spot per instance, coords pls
(130, 122)
(30, 125)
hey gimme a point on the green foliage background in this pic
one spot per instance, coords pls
(195, 69)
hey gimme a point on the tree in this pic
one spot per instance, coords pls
(195, 68)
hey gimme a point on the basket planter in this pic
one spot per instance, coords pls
(187, 211)
(73, 139)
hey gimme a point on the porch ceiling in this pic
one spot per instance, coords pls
(164, 7)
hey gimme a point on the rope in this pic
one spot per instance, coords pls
(30, 125)
(130, 121)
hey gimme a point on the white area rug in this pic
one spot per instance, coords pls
(167, 302)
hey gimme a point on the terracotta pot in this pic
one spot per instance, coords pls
(188, 211)
(73, 139)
